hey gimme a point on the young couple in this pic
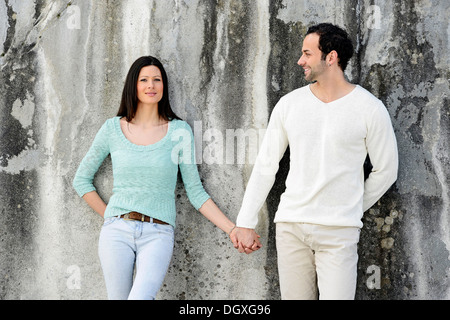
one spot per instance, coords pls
(330, 126)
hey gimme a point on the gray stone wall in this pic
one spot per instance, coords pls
(63, 64)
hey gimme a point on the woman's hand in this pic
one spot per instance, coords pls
(247, 240)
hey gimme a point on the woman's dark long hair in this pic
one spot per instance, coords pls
(129, 102)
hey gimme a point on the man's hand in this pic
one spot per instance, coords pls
(245, 240)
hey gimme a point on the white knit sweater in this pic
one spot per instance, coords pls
(328, 145)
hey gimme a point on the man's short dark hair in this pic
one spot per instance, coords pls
(332, 38)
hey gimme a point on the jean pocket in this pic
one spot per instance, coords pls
(166, 228)
(109, 221)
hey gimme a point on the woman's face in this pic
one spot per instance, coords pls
(150, 85)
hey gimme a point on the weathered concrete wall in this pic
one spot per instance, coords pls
(62, 69)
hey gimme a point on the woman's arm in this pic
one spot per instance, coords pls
(195, 191)
(212, 212)
(99, 150)
(95, 202)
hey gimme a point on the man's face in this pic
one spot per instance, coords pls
(311, 59)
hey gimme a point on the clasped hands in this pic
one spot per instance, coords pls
(245, 240)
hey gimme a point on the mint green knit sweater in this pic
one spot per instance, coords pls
(145, 177)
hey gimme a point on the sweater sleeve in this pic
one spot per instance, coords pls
(188, 167)
(382, 149)
(99, 150)
(264, 171)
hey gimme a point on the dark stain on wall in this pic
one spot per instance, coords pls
(19, 191)
(386, 246)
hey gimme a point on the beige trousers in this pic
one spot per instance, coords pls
(316, 261)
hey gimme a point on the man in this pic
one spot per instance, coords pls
(330, 126)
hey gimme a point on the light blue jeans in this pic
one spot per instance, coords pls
(126, 244)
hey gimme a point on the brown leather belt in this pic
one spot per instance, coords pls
(140, 217)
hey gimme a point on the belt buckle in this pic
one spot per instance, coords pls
(127, 217)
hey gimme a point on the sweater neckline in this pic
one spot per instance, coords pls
(137, 146)
(334, 101)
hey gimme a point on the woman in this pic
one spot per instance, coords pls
(147, 143)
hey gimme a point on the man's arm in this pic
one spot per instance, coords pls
(382, 149)
(262, 178)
